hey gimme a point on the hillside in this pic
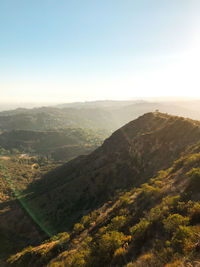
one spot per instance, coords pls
(48, 118)
(128, 158)
(153, 223)
(18, 226)
(62, 144)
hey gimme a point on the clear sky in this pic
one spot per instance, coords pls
(63, 51)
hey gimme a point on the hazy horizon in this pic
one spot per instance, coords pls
(4, 106)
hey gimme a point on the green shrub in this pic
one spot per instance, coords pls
(85, 220)
(194, 175)
(118, 222)
(139, 232)
(78, 228)
(173, 221)
(180, 238)
(153, 192)
(108, 243)
(194, 213)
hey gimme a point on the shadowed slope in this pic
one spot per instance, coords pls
(155, 224)
(131, 155)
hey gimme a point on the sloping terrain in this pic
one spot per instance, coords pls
(18, 225)
(155, 224)
(112, 202)
(128, 158)
(63, 144)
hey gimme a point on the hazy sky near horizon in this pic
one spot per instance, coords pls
(63, 51)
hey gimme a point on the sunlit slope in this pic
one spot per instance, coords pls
(128, 158)
(154, 224)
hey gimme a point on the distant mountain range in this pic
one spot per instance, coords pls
(108, 115)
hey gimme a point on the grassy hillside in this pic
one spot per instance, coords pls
(154, 224)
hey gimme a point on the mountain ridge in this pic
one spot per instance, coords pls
(108, 115)
(127, 158)
(153, 223)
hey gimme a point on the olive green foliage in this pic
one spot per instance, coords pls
(194, 174)
(173, 221)
(108, 243)
(166, 232)
(154, 224)
(78, 227)
(59, 144)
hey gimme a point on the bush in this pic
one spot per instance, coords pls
(195, 158)
(108, 243)
(118, 222)
(194, 175)
(139, 232)
(125, 199)
(61, 236)
(174, 221)
(194, 213)
(78, 228)
(86, 220)
(180, 238)
(150, 191)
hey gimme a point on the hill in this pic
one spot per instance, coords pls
(128, 158)
(108, 115)
(62, 144)
(18, 226)
(48, 118)
(154, 222)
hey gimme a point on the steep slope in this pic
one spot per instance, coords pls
(126, 159)
(156, 224)
(17, 225)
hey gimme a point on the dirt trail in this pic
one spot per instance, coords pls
(4, 157)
